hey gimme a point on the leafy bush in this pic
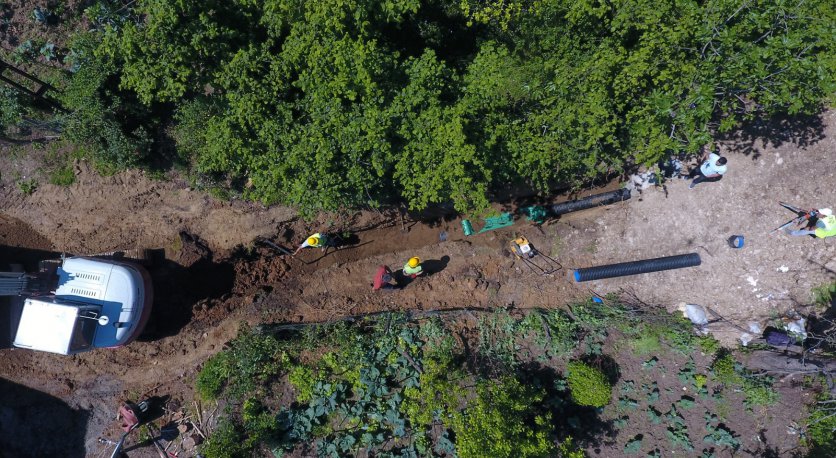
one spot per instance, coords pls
(212, 377)
(821, 427)
(62, 176)
(588, 385)
(11, 110)
(225, 442)
(320, 105)
(500, 423)
(28, 186)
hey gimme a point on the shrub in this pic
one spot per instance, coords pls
(212, 377)
(62, 176)
(821, 429)
(588, 385)
(724, 369)
(500, 422)
(225, 442)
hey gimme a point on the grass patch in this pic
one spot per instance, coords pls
(62, 176)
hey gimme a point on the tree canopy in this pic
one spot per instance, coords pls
(339, 103)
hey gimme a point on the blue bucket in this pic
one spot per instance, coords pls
(736, 241)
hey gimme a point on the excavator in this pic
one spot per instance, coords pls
(76, 304)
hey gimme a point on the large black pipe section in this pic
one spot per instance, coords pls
(605, 198)
(638, 267)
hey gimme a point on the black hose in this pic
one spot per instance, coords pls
(637, 267)
(591, 201)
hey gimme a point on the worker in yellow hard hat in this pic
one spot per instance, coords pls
(412, 268)
(314, 241)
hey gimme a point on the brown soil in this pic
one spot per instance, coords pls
(211, 274)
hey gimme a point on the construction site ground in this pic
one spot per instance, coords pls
(210, 275)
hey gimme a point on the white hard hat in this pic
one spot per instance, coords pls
(826, 211)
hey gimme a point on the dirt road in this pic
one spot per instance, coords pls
(211, 276)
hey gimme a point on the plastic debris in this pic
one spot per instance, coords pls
(797, 327)
(755, 328)
(777, 338)
(695, 313)
(783, 269)
(745, 338)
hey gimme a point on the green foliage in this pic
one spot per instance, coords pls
(824, 295)
(645, 343)
(589, 386)
(356, 102)
(719, 434)
(212, 377)
(62, 176)
(677, 432)
(27, 186)
(821, 427)
(251, 360)
(498, 423)
(724, 369)
(11, 109)
(105, 121)
(225, 442)
(633, 445)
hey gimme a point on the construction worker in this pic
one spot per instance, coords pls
(412, 268)
(383, 279)
(712, 169)
(824, 227)
(315, 241)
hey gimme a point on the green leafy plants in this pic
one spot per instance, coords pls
(225, 442)
(821, 425)
(588, 385)
(633, 445)
(719, 434)
(27, 186)
(677, 432)
(62, 176)
(824, 295)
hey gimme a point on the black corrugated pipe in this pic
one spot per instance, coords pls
(637, 267)
(591, 201)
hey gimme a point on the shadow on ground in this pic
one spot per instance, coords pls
(759, 133)
(35, 424)
(179, 284)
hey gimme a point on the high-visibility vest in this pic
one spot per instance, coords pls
(829, 229)
(411, 270)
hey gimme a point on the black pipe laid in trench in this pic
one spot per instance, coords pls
(637, 267)
(605, 198)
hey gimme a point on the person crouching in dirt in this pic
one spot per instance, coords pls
(384, 279)
(822, 225)
(712, 169)
(413, 268)
(317, 240)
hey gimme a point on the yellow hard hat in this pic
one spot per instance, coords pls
(413, 262)
(313, 240)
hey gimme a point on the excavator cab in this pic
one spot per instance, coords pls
(538, 262)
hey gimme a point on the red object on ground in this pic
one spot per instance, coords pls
(129, 419)
(379, 281)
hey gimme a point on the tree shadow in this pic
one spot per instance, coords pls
(31, 421)
(583, 424)
(799, 130)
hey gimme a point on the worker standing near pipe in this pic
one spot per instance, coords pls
(314, 241)
(413, 268)
(825, 225)
(712, 169)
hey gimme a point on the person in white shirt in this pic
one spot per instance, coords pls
(712, 169)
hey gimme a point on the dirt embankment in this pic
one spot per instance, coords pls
(211, 276)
